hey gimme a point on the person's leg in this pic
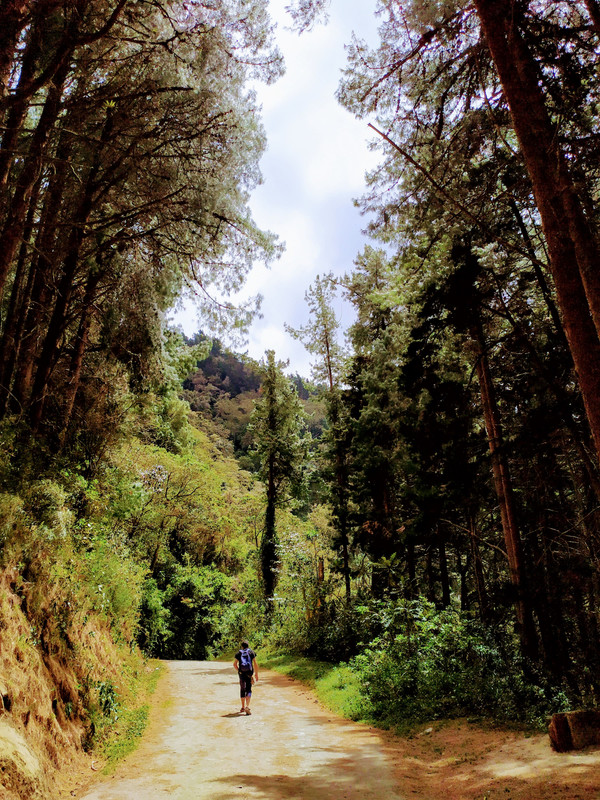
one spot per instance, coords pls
(248, 693)
(243, 693)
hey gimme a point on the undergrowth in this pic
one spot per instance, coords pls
(337, 686)
(129, 721)
(415, 663)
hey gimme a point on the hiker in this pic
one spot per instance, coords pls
(245, 665)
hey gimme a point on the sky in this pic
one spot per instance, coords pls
(317, 155)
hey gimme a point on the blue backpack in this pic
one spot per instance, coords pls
(246, 660)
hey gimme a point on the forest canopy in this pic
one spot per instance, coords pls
(431, 495)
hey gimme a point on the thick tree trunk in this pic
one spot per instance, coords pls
(65, 289)
(9, 345)
(80, 347)
(504, 492)
(341, 481)
(17, 211)
(13, 16)
(19, 108)
(593, 8)
(38, 295)
(56, 326)
(444, 577)
(429, 575)
(573, 249)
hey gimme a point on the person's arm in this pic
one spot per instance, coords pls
(255, 665)
(236, 665)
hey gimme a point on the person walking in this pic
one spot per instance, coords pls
(245, 665)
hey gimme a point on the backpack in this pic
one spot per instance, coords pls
(246, 660)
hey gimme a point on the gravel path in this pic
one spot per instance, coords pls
(198, 747)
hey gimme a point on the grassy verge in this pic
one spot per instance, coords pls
(132, 720)
(336, 686)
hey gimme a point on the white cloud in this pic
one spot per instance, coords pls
(314, 166)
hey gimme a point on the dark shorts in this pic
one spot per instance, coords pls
(245, 684)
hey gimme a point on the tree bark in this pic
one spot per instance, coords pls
(16, 213)
(9, 345)
(593, 8)
(38, 295)
(13, 16)
(480, 588)
(18, 109)
(504, 492)
(269, 543)
(444, 578)
(80, 347)
(573, 249)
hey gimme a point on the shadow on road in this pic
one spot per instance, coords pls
(334, 783)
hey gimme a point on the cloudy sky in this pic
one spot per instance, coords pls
(314, 166)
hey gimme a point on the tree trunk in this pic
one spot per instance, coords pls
(444, 578)
(38, 295)
(64, 293)
(12, 19)
(341, 481)
(503, 487)
(56, 327)
(269, 543)
(9, 345)
(574, 253)
(480, 588)
(593, 8)
(81, 343)
(17, 211)
(19, 108)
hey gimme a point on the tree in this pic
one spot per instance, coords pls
(320, 338)
(127, 160)
(572, 241)
(277, 423)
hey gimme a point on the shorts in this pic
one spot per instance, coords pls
(245, 684)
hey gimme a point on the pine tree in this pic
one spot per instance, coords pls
(320, 338)
(281, 445)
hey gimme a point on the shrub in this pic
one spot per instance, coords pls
(429, 663)
(11, 517)
(114, 583)
(45, 503)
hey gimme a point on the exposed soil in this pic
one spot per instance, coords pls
(199, 746)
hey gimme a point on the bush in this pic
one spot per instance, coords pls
(12, 517)
(114, 582)
(45, 502)
(430, 663)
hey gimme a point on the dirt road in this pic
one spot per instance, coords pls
(199, 748)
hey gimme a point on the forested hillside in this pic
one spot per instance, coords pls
(422, 510)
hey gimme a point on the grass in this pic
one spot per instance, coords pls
(336, 686)
(132, 726)
(132, 721)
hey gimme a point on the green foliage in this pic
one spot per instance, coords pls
(163, 421)
(12, 517)
(130, 733)
(45, 502)
(184, 620)
(429, 664)
(114, 583)
(404, 661)
(281, 445)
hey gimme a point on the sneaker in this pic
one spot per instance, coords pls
(248, 711)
